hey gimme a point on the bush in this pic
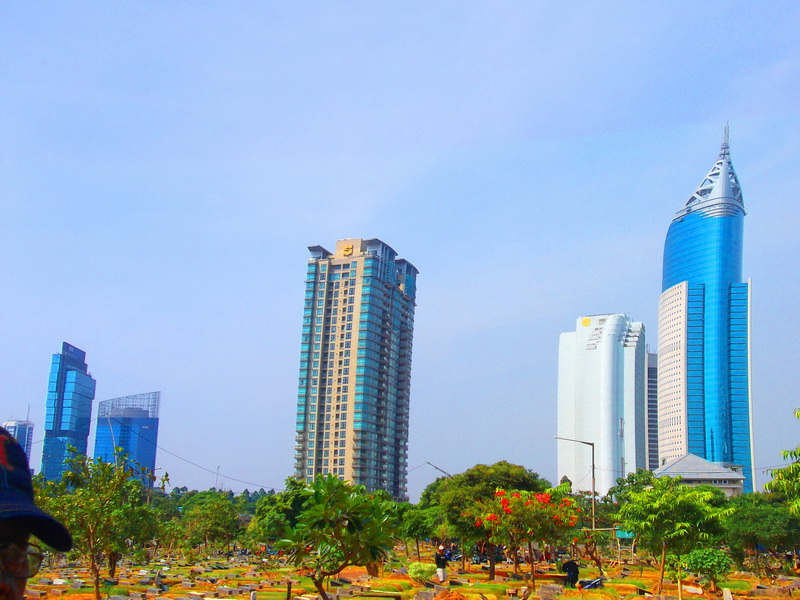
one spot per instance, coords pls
(710, 562)
(421, 572)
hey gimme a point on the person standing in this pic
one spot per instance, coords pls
(441, 565)
(19, 519)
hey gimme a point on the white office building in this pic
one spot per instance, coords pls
(602, 390)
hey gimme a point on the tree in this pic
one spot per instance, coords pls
(340, 525)
(483, 480)
(760, 521)
(460, 498)
(276, 514)
(632, 482)
(211, 519)
(712, 563)
(419, 523)
(102, 506)
(787, 479)
(670, 517)
(517, 517)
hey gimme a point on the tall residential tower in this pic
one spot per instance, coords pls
(70, 393)
(703, 322)
(602, 390)
(355, 365)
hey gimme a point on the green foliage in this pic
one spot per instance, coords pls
(421, 572)
(419, 523)
(340, 525)
(102, 504)
(760, 521)
(709, 562)
(276, 514)
(481, 481)
(460, 497)
(670, 517)
(514, 517)
(457, 495)
(210, 518)
(787, 480)
(633, 482)
(736, 584)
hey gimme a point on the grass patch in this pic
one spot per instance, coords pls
(271, 595)
(736, 584)
(113, 591)
(499, 589)
(628, 581)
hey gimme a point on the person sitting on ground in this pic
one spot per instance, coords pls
(570, 568)
(19, 519)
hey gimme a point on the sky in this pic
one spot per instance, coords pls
(165, 165)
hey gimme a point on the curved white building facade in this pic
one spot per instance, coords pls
(602, 381)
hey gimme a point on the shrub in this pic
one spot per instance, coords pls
(710, 562)
(421, 572)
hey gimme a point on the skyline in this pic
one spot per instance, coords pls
(160, 164)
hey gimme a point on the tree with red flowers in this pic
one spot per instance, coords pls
(517, 517)
(463, 499)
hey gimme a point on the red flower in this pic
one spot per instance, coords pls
(504, 502)
(515, 495)
(492, 517)
(499, 493)
(478, 523)
(506, 510)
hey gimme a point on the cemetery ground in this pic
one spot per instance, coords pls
(241, 576)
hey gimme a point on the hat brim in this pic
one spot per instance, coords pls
(38, 522)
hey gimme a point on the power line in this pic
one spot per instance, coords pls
(186, 460)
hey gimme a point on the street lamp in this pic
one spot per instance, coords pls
(593, 479)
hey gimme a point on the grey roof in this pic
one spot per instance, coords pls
(690, 466)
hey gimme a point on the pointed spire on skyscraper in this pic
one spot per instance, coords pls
(725, 149)
(719, 193)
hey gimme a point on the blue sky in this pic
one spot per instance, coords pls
(163, 167)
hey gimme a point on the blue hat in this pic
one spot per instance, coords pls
(16, 496)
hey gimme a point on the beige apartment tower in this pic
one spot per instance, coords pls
(355, 366)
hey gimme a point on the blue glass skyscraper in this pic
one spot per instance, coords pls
(704, 350)
(70, 393)
(129, 423)
(22, 431)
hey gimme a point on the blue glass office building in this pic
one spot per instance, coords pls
(129, 424)
(355, 366)
(70, 393)
(704, 370)
(22, 431)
